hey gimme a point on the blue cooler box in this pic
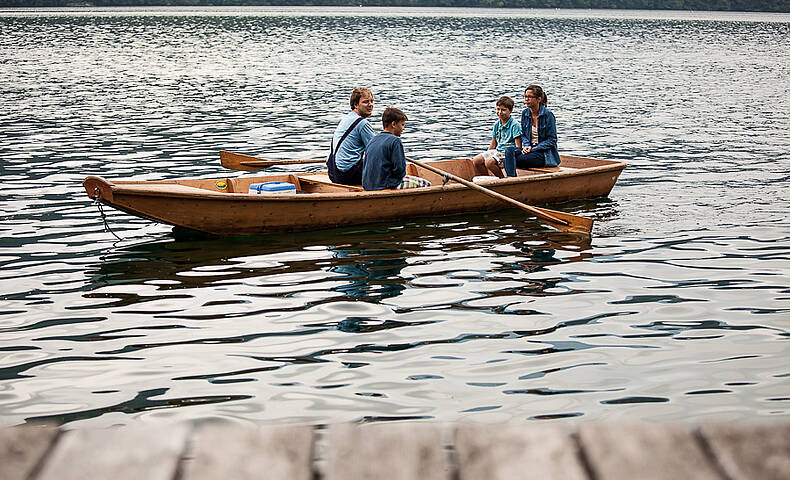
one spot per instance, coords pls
(272, 187)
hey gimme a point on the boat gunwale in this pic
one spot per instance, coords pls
(142, 187)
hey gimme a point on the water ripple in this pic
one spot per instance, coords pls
(675, 309)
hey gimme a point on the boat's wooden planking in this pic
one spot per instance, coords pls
(461, 168)
(223, 206)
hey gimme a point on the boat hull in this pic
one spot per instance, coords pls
(202, 204)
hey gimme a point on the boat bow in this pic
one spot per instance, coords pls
(98, 188)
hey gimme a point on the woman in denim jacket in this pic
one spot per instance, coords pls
(538, 135)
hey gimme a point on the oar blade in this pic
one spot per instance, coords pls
(238, 161)
(576, 223)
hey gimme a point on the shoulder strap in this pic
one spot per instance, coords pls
(335, 149)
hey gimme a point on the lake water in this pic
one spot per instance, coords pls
(678, 309)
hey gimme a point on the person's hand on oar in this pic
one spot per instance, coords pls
(559, 220)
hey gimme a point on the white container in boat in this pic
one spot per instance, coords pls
(484, 178)
(272, 187)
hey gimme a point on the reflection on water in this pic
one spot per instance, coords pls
(425, 320)
(675, 309)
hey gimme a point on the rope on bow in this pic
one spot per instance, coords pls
(96, 197)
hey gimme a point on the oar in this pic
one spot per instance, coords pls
(239, 161)
(559, 220)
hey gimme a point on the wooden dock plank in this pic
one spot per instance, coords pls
(751, 451)
(609, 451)
(125, 453)
(21, 449)
(386, 452)
(509, 451)
(240, 453)
(646, 451)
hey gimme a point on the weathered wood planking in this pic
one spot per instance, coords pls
(241, 453)
(401, 451)
(644, 451)
(751, 452)
(127, 453)
(386, 452)
(523, 451)
(22, 448)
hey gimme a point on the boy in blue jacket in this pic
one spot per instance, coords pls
(385, 161)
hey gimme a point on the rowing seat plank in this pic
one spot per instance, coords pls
(533, 171)
(324, 180)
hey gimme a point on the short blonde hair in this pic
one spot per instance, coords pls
(357, 94)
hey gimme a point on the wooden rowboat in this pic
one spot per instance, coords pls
(223, 206)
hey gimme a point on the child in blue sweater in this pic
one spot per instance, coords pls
(385, 161)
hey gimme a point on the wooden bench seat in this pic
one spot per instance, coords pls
(525, 172)
(321, 183)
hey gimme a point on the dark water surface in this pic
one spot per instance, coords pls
(678, 308)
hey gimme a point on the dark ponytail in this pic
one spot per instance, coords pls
(544, 100)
